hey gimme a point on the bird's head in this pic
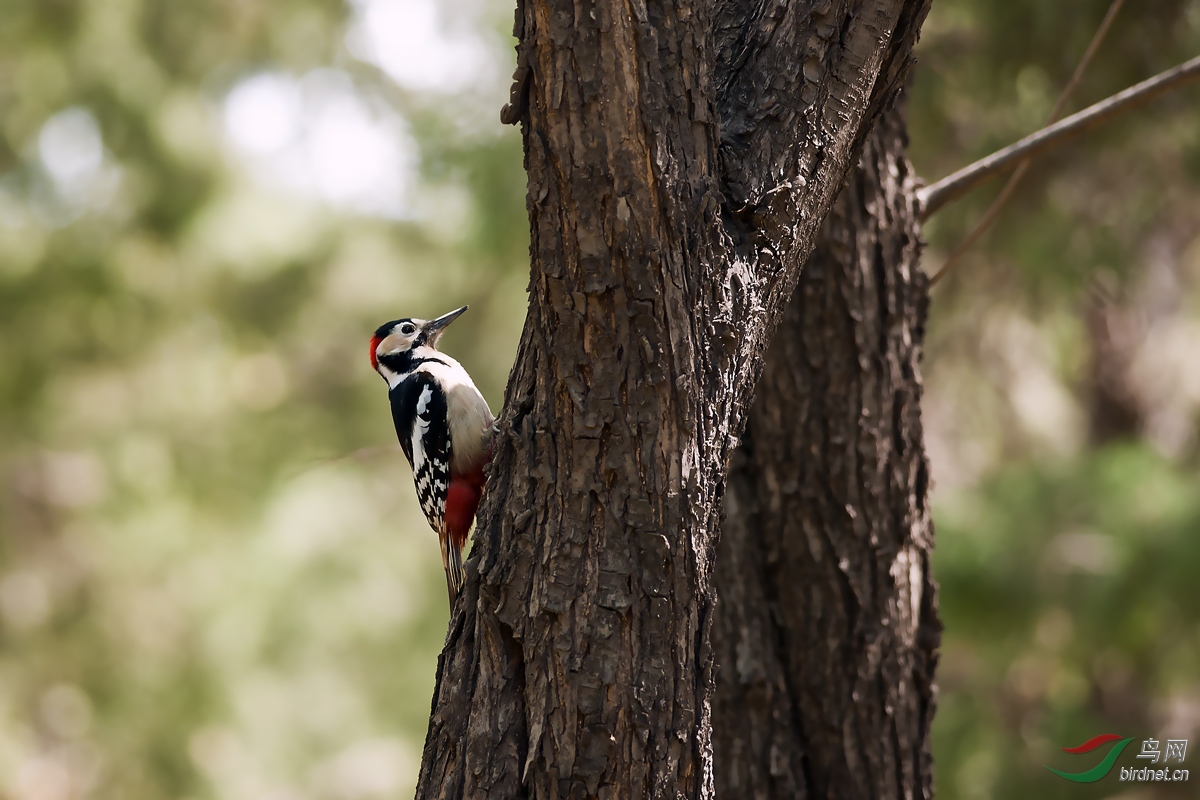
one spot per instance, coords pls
(398, 343)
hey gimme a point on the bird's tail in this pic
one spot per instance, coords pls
(453, 564)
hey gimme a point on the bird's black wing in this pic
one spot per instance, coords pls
(419, 413)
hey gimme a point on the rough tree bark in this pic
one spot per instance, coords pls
(681, 157)
(827, 624)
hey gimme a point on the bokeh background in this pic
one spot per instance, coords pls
(214, 581)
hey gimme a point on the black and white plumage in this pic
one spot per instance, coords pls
(417, 406)
(444, 426)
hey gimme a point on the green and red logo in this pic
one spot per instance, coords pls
(1100, 770)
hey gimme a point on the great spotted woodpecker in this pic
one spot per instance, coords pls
(444, 426)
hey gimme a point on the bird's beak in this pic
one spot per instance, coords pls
(434, 328)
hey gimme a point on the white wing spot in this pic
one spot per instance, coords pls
(420, 428)
(418, 450)
(423, 403)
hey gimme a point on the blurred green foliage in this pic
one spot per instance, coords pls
(1071, 610)
(1067, 545)
(213, 579)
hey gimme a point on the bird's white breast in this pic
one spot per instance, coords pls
(470, 418)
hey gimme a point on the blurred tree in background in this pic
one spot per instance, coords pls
(213, 579)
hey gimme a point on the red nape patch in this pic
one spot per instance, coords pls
(375, 340)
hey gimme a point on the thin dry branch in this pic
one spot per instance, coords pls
(993, 210)
(935, 196)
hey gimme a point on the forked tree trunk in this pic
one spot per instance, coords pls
(827, 623)
(681, 159)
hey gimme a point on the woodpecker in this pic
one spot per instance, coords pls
(444, 426)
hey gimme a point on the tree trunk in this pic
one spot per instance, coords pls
(827, 623)
(681, 157)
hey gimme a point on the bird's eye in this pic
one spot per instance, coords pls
(407, 328)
